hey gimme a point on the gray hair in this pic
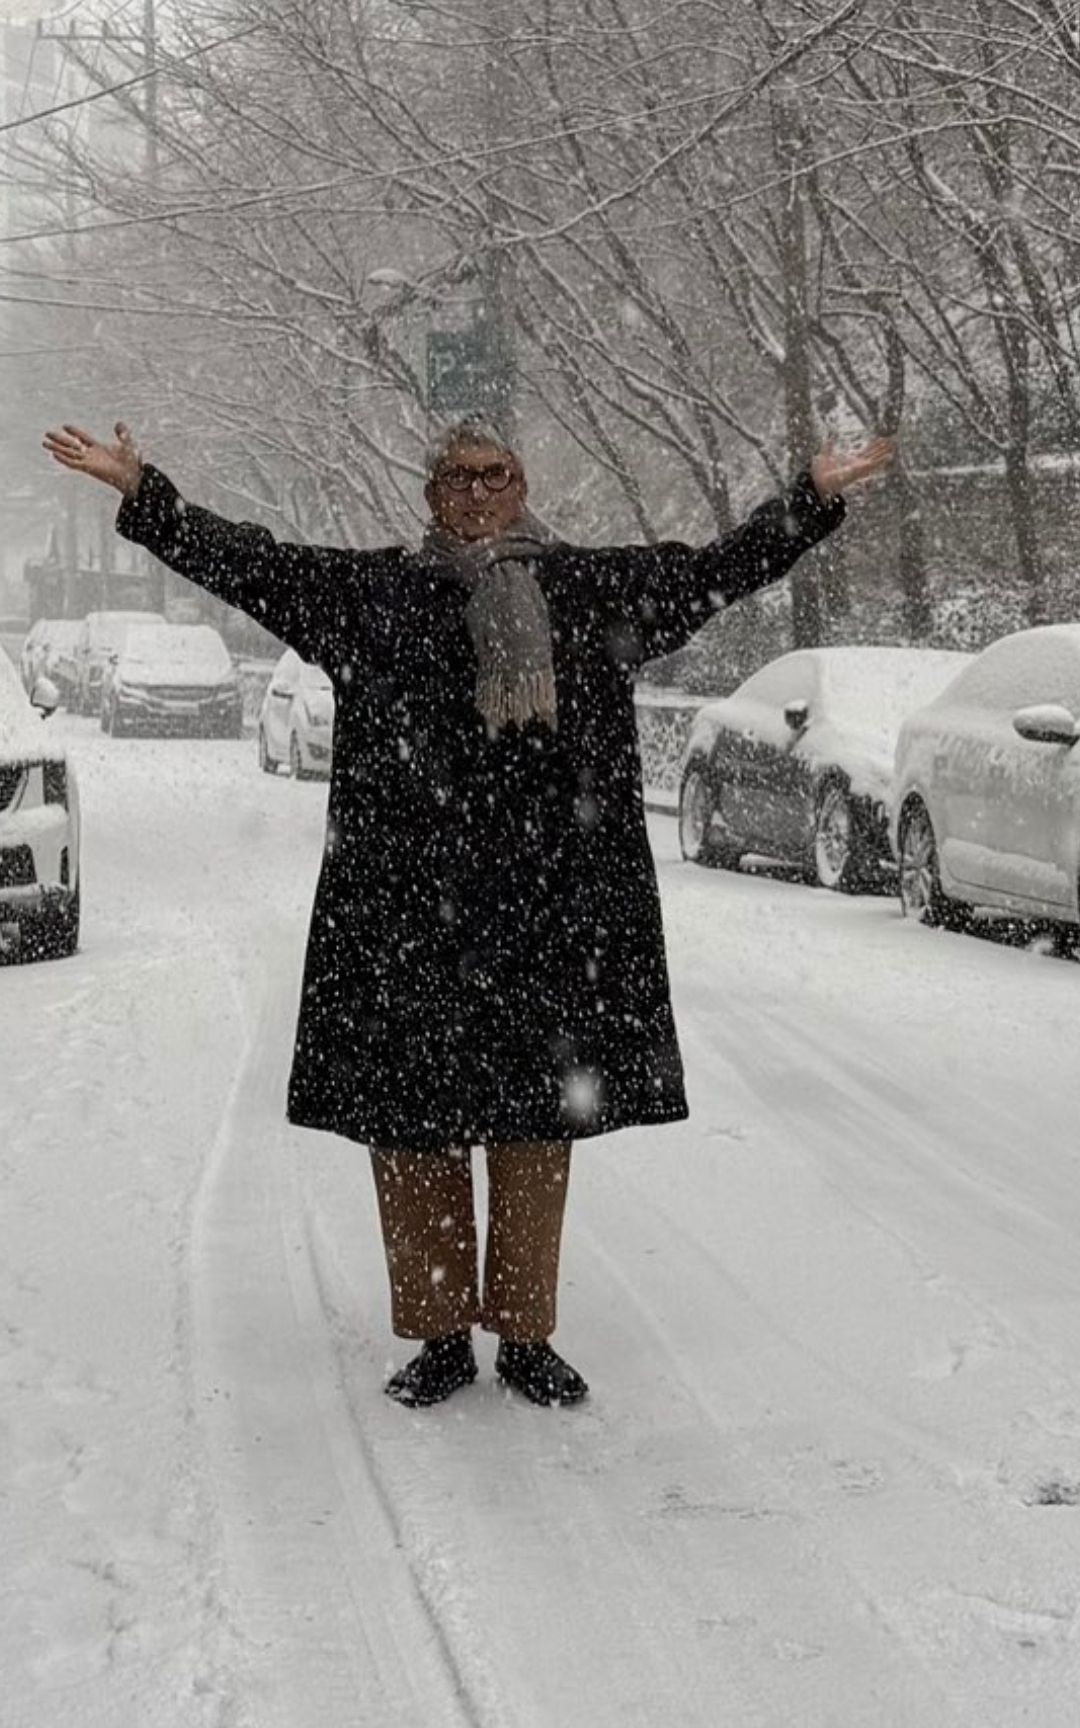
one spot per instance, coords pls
(467, 434)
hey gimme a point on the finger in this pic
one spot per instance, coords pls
(62, 441)
(79, 436)
(122, 432)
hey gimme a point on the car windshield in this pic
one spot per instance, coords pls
(177, 647)
(63, 633)
(1031, 666)
(878, 690)
(109, 629)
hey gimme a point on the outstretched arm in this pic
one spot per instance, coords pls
(308, 596)
(656, 597)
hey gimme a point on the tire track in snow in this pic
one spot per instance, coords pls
(557, 1544)
(469, 1674)
(817, 1088)
(896, 1156)
(828, 1607)
(332, 1628)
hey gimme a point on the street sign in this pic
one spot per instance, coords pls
(466, 375)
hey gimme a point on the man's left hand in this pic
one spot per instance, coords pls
(833, 473)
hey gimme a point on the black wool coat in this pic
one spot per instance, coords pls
(485, 960)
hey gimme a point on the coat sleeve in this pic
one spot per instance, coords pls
(652, 599)
(307, 596)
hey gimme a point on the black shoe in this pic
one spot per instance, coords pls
(442, 1366)
(537, 1371)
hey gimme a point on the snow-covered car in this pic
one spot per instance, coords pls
(32, 652)
(987, 809)
(39, 828)
(172, 678)
(296, 721)
(60, 662)
(49, 650)
(796, 764)
(101, 637)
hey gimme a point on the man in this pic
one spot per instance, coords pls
(485, 963)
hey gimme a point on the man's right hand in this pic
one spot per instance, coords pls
(118, 464)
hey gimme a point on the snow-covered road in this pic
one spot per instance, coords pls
(830, 1472)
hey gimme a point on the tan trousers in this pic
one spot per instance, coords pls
(429, 1234)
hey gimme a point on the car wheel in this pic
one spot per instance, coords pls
(266, 761)
(921, 894)
(296, 761)
(1065, 941)
(56, 933)
(840, 860)
(697, 806)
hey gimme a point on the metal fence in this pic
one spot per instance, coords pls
(664, 719)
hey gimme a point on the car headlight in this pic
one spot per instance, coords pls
(317, 717)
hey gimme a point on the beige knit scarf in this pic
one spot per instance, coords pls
(508, 621)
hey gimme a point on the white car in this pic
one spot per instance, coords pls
(49, 650)
(796, 764)
(296, 721)
(172, 678)
(101, 637)
(39, 828)
(987, 811)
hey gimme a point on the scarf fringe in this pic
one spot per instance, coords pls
(503, 698)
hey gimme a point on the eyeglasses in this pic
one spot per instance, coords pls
(496, 478)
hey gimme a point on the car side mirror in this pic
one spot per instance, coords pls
(1046, 723)
(796, 715)
(45, 696)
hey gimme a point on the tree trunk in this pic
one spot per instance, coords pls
(1021, 505)
(906, 509)
(911, 556)
(1017, 473)
(806, 606)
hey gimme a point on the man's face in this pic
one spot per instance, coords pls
(476, 491)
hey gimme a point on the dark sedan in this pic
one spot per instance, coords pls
(796, 765)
